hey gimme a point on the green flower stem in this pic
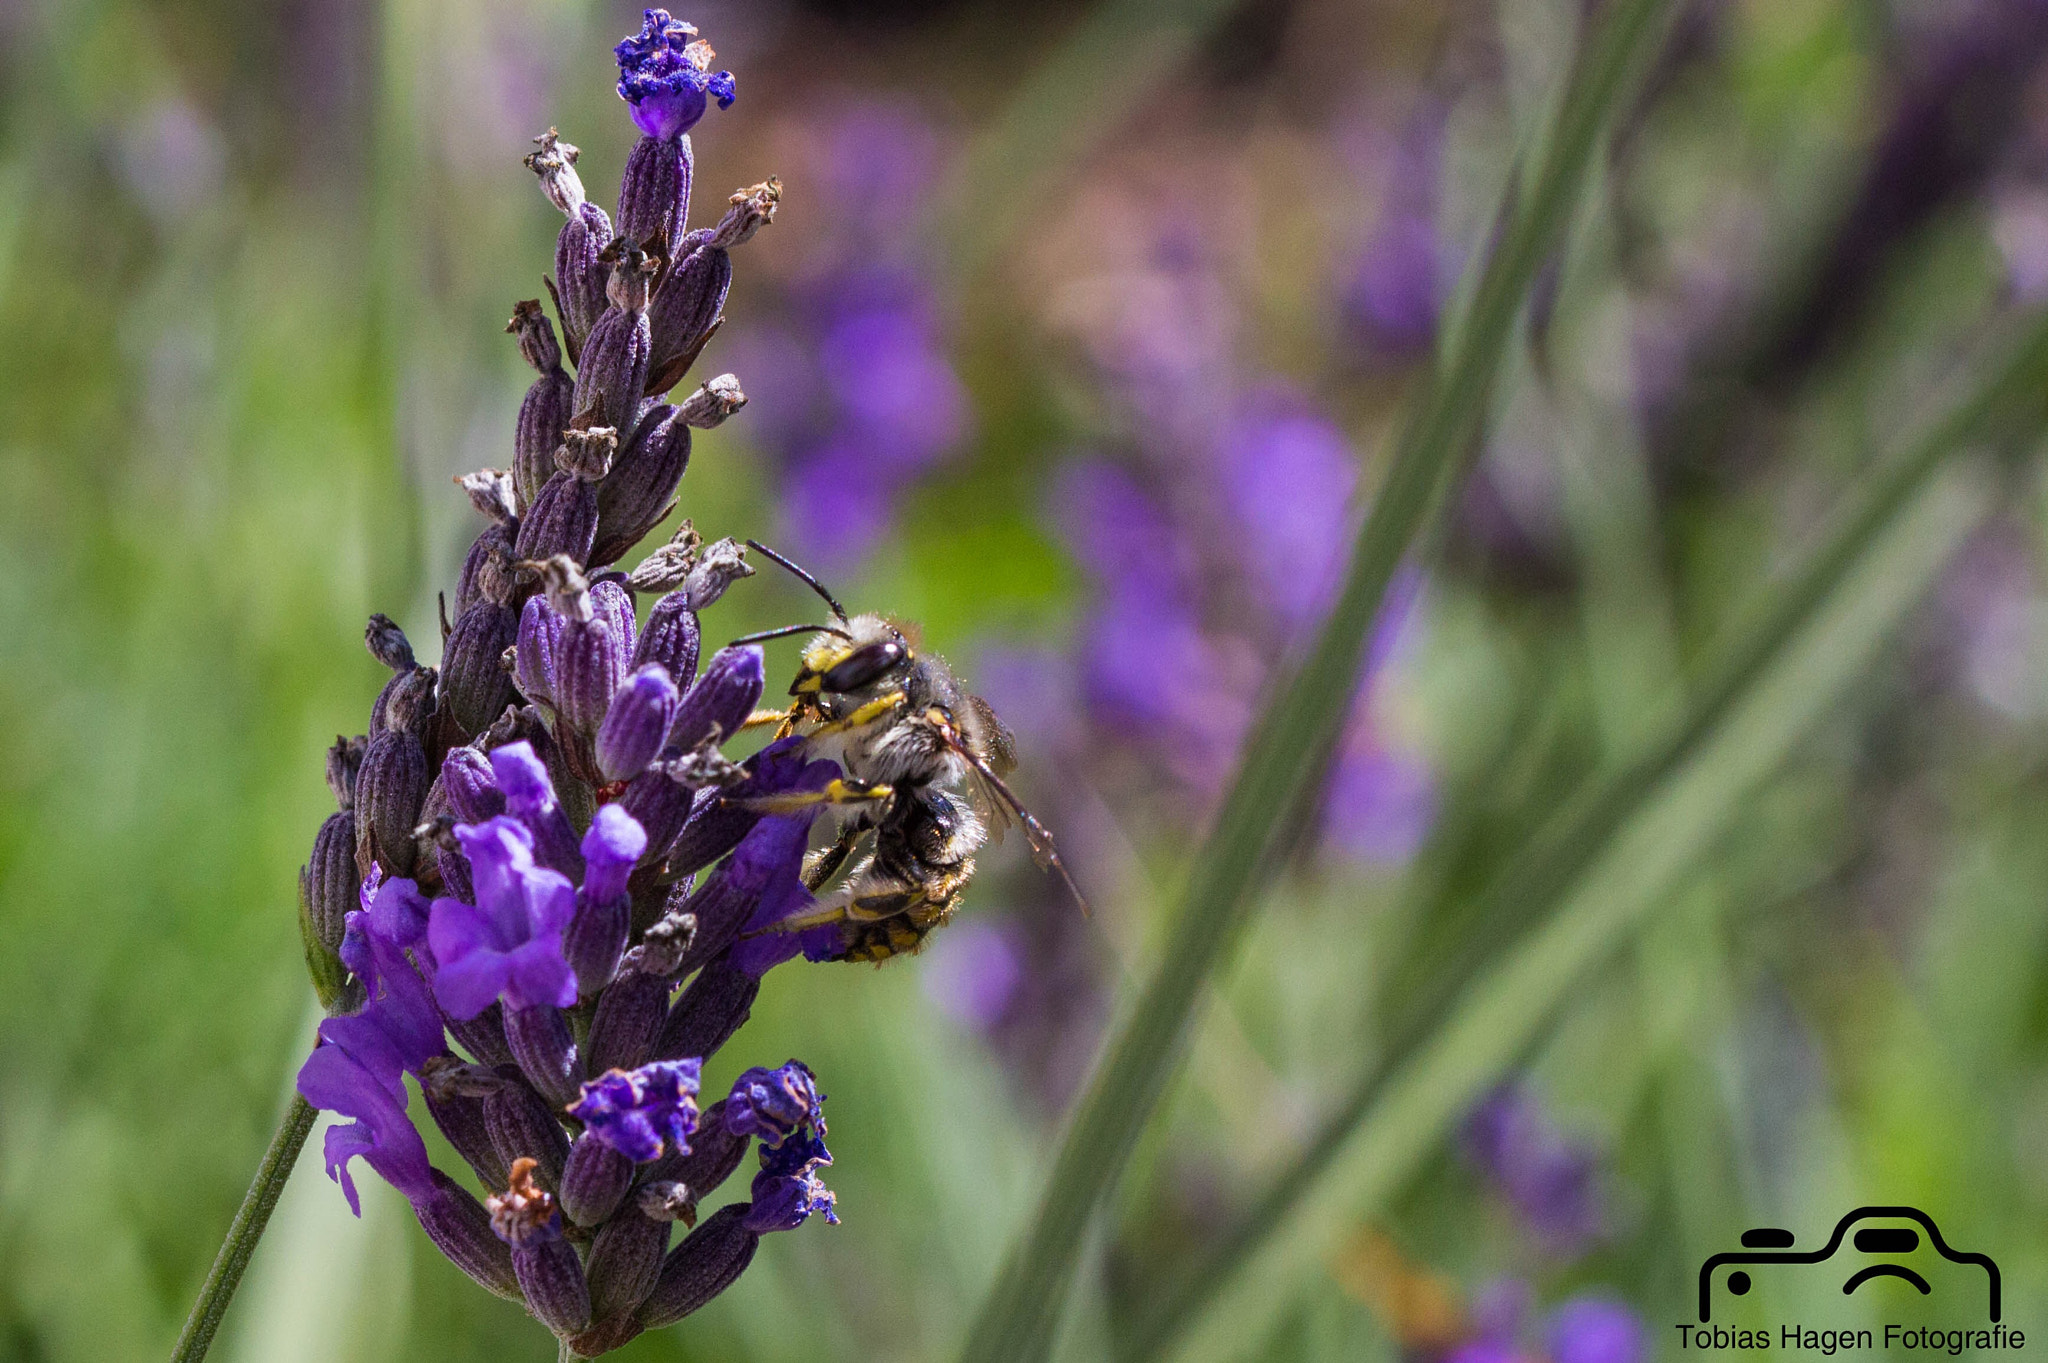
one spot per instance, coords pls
(247, 1228)
(1293, 737)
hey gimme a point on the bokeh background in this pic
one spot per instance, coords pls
(1078, 340)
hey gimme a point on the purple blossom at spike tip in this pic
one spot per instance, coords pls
(1550, 1180)
(509, 944)
(787, 1192)
(643, 1112)
(1592, 1328)
(776, 1104)
(665, 74)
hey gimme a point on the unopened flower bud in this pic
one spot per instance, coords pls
(625, 1261)
(555, 164)
(641, 489)
(722, 698)
(589, 668)
(562, 522)
(550, 1275)
(594, 1181)
(707, 1262)
(469, 787)
(682, 316)
(461, 1119)
(671, 639)
(388, 644)
(611, 376)
(637, 723)
(581, 273)
(326, 897)
(715, 1152)
(389, 795)
(630, 1015)
(713, 402)
(460, 1227)
(716, 1005)
(546, 1051)
(474, 687)
(483, 1036)
(522, 1126)
(547, 408)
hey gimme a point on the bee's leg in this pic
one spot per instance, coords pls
(760, 717)
(867, 714)
(846, 791)
(816, 918)
(826, 863)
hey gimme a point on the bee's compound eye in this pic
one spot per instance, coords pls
(863, 666)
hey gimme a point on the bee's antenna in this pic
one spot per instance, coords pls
(838, 611)
(787, 630)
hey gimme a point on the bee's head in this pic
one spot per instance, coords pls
(873, 655)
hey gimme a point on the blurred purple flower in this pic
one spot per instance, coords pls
(1288, 476)
(972, 973)
(1550, 1180)
(1397, 284)
(1593, 1328)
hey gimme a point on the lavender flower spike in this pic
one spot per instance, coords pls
(644, 1112)
(665, 74)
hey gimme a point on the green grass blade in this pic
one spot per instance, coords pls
(1505, 1009)
(1435, 446)
(1584, 835)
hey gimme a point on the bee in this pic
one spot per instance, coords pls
(924, 760)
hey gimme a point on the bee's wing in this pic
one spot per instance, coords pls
(1004, 802)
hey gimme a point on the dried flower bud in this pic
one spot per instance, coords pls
(388, 644)
(490, 492)
(713, 402)
(702, 1266)
(487, 572)
(590, 667)
(594, 1181)
(667, 1200)
(344, 760)
(752, 209)
(625, 1261)
(555, 164)
(667, 940)
(327, 895)
(665, 568)
(588, 454)
(406, 702)
(474, 687)
(721, 565)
